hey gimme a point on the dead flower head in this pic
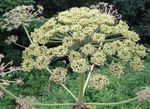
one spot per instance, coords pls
(11, 39)
(23, 103)
(105, 8)
(19, 81)
(20, 15)
(143, 95)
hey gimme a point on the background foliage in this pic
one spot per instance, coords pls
(6, 5)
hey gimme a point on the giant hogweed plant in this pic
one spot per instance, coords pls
(84, 39)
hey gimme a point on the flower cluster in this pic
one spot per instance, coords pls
(84, 37)
(88, 49)
(98, 58)
(58, 75)
(19, 15)
(79, 65)
(74, 55)
(116, 69)
(98, 81)
(111, 48)
(137, 64)
(77, 23)
(37, 57)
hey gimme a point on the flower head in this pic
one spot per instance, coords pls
(137, 64)
(124, 53)
(74, 55)
(116, 69)
(11, 39)
(19, 81)
(79, 65)
(36, 56)
(110, 48)
(98, 58)
(60, 51)
(58, 75)
(23, 103)
(68, 42)
(98, 37)
(140, 50)
(85, 37)
(88, 49)
(98, 81)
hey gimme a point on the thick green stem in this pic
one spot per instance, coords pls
(81, 86)
(55, 104)
(8, 92)
(114, 103)
(97, 104)
(24, 27)
(87, 80)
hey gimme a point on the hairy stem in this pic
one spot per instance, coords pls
(81, 86)
(24, 27)
(8, 92)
